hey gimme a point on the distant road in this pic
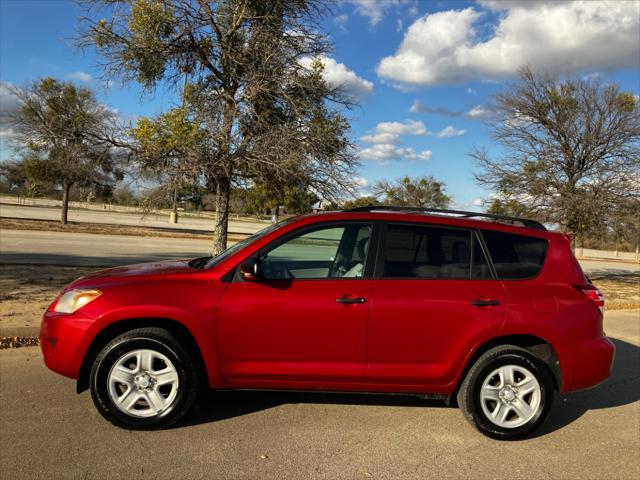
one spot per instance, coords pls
(122, 218)
(61, 248)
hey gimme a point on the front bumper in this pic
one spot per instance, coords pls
(63, 341)
(591, 363)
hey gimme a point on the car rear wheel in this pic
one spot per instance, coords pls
(507, 393)
(143, 379)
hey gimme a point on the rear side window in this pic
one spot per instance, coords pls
(515, 256)
(415, 251)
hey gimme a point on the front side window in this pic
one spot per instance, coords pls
(423, 251)
(515, 256)
(337, 251)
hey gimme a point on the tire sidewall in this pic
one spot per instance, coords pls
(537, 368)
(99, 383)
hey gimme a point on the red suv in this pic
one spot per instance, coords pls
(496, 316)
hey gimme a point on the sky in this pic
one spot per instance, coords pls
(423, 72)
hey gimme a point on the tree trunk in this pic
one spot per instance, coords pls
(222, 215)
(65, 203)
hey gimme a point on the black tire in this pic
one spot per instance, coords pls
(469, 399)
(157, 340)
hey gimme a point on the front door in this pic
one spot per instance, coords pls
(306, 319)
(434, 294)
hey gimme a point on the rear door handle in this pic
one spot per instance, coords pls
(485, 302)
(349, 300)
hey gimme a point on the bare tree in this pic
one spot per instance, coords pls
(264, 113)
(63, 130)
(571, 149)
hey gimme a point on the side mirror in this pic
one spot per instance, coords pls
(251, 270)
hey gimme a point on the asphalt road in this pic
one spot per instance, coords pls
(60, 248)
(47, 431)
(120, 218)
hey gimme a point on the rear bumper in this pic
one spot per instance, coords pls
(63, 341)
(591, 362)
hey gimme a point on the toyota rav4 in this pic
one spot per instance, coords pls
(492, 313)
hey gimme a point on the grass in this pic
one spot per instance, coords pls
(109, 229)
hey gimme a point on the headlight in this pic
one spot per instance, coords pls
(75, 299)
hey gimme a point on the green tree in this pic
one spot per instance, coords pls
(361, 202)
(64, 132)
(424, 192)
(571, 150)
(266, 198)
(165, 148)
(265, 114)
(510, 207)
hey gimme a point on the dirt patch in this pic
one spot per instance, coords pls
(27, 290)
(621, 292)
(109, 229)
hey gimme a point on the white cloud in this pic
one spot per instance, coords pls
(444, 47)
(337, 75)
(341, 21)
(478, 112)
(471, 91)
(361, 181)
(450, 131)
(409, 127)
(9, 103)
(385, 152)
(385, 141)
(374, 10)
(377, 138)
(80, 77)
(419, 107)
(363, 186)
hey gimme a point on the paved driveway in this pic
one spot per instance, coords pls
(47, 431)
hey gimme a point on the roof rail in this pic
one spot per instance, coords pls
(461, 213)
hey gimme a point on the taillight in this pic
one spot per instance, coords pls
(591, 292)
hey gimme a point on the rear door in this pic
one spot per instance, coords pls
(434, 294)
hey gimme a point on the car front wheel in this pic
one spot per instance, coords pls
(143, 379)
(507, 393)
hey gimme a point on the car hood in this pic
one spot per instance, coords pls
(132, 273)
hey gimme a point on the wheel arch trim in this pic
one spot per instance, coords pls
(105, 331)
(535, 344)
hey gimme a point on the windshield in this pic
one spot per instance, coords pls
(212, 261)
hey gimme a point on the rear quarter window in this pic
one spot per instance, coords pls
(515, 256)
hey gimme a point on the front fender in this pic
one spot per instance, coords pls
(201, 329)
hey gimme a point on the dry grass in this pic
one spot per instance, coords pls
(621, 292)
(108, 229)
(27, 290)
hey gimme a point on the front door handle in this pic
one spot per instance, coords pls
(485, 302)
(347, 300)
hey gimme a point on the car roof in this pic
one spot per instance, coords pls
(443, 217)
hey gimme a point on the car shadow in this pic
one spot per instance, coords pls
(622, 388)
